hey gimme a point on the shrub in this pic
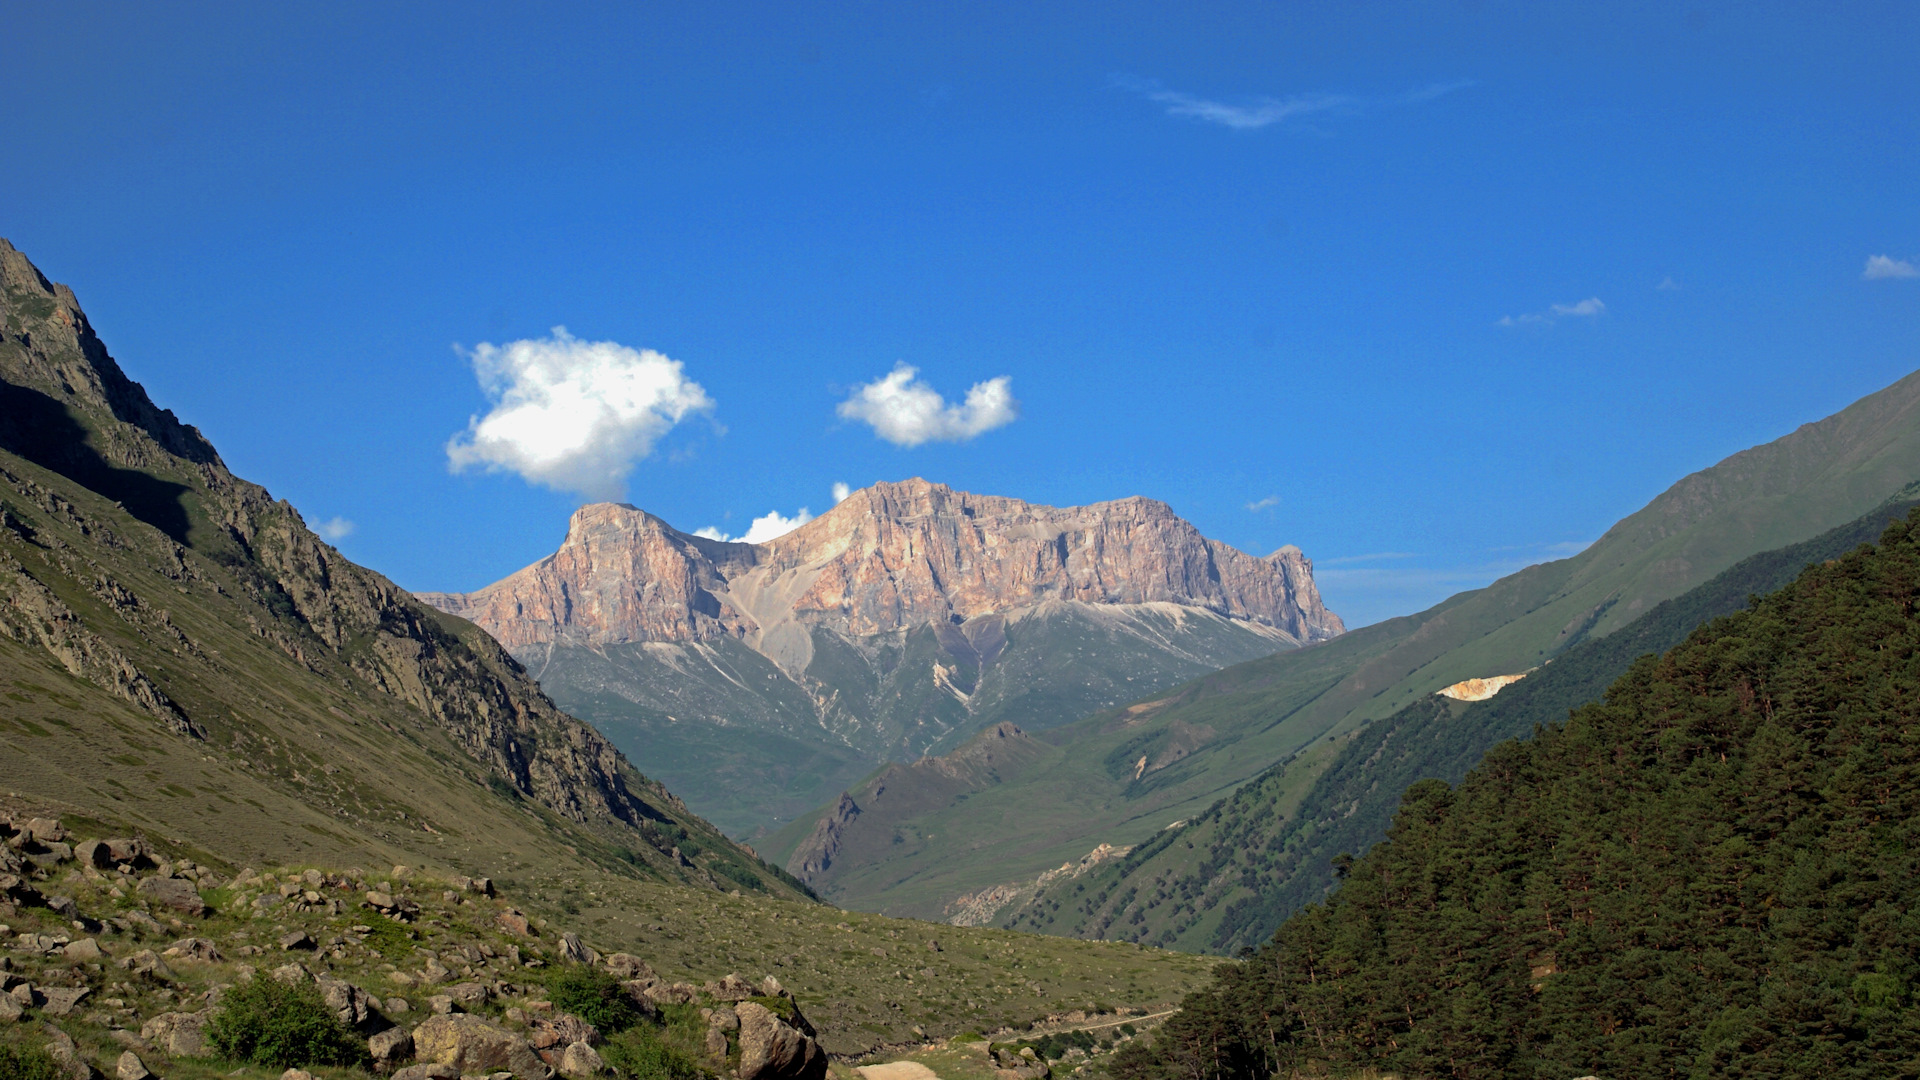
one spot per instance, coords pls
(270, 1023)
(27, 1063)
(593, 996)
(638, 1053)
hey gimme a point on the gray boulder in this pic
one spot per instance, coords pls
(474, 1046)
(181, 896)
(772, 1049)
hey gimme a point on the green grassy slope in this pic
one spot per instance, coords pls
(751, 747)
(1222, 730)
(1237, 871)
(1713, 872)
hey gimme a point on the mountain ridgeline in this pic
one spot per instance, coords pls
(180, 653)
(1713, 872)
(907, 618)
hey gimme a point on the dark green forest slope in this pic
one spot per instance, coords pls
(1714, 872)
(1232, 875)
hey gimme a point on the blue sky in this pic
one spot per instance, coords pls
(1430, 290)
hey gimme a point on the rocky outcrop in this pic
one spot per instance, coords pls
(817, 851)
(889, 557)
(1480, 689)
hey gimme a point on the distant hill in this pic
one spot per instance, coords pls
(1229, 878)
(758, 679)
(1711, 873)
(180, 653)
(1121, 776)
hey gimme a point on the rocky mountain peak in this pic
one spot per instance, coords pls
(888, 557)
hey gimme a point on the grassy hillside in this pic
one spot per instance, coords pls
(1711, 873)
(1227, 880)
(1204, 739)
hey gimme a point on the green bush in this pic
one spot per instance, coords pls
(270, 1023)
(27, 1063)
(638, 1053)
(593, 996)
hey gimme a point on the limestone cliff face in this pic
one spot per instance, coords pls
(889, 557)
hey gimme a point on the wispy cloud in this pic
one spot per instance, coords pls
(1267, 503)
(1256, 112)
(907, 412)
(1667, 284)
(573, 415)
(334, 529)
(1883, 267)
(762, 529)
(840, 492)
(1589, 308)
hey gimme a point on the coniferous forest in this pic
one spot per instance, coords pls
(1711, 872)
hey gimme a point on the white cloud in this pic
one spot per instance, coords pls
(1882, 267)
(762, 529)
(1589, 308)
(1667, 284)
(573, 415)
(907, 412)
(840, 492)
(1259, 112)
(334, 529)
(1264, 504)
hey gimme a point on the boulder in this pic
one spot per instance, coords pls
(580, 1062)
(628, 966)
(130, 1067)
(671, 993)
(771, 1049)
(15, 888)
(296, 1074)
(84, 949)
(730, 988)
(351, 1004)
(10, 1009)
(390, 1047)
(193, 948)
(555, 1033)
(574, 951)
(131, 852)
(147, 962)
(179, 895)
(472, 1045)
(44, 830)
(716, 1043)
(516, 923)
(177, 1034)
(469, 995)
(60, 1000)
(298, 939)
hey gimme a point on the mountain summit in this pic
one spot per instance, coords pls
(888, 558)
(906, 618)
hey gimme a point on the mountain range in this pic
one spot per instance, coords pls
(187, 668)
(758, 679)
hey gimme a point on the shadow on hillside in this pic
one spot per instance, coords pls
(39, 428)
